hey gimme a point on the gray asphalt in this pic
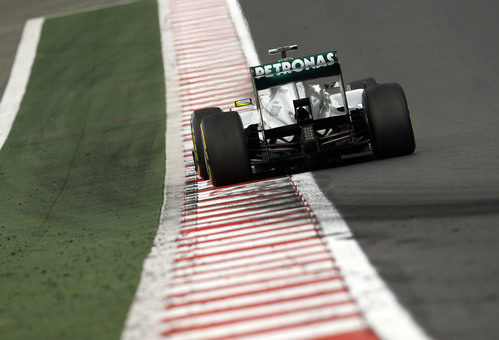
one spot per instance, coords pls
(429, 222)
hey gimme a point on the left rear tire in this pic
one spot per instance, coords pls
(225, 149)
(198, 154)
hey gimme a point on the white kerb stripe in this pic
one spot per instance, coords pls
(283, 306)
(19, 76)
(231, 330)
(323, 329)
(257, 298)
(247, 261)
(190, 287)
(255, 269)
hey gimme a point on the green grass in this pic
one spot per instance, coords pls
(81, 176)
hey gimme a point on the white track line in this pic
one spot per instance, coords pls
(243, 31)
(19, 76)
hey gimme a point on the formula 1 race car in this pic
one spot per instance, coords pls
(304, 115)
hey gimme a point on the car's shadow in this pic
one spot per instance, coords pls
(317, 165)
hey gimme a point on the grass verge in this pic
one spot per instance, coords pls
(81, 176)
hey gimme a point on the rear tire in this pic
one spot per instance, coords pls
(225, 149)
(386, 110)
(196, 119)
(359, 84)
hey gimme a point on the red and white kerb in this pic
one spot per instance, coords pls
(250, 261)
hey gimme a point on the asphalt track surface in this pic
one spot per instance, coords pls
(429, 222)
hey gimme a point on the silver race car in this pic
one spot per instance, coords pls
(303, 116)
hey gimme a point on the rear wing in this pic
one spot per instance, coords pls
(298, 69)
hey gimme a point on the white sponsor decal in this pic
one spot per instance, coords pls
(296, 65)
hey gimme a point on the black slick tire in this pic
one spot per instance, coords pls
(359, 84)
(225, 149)
(198, 153)
(389, 121)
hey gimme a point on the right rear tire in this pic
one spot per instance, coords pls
(389, 121)
(225, 149)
